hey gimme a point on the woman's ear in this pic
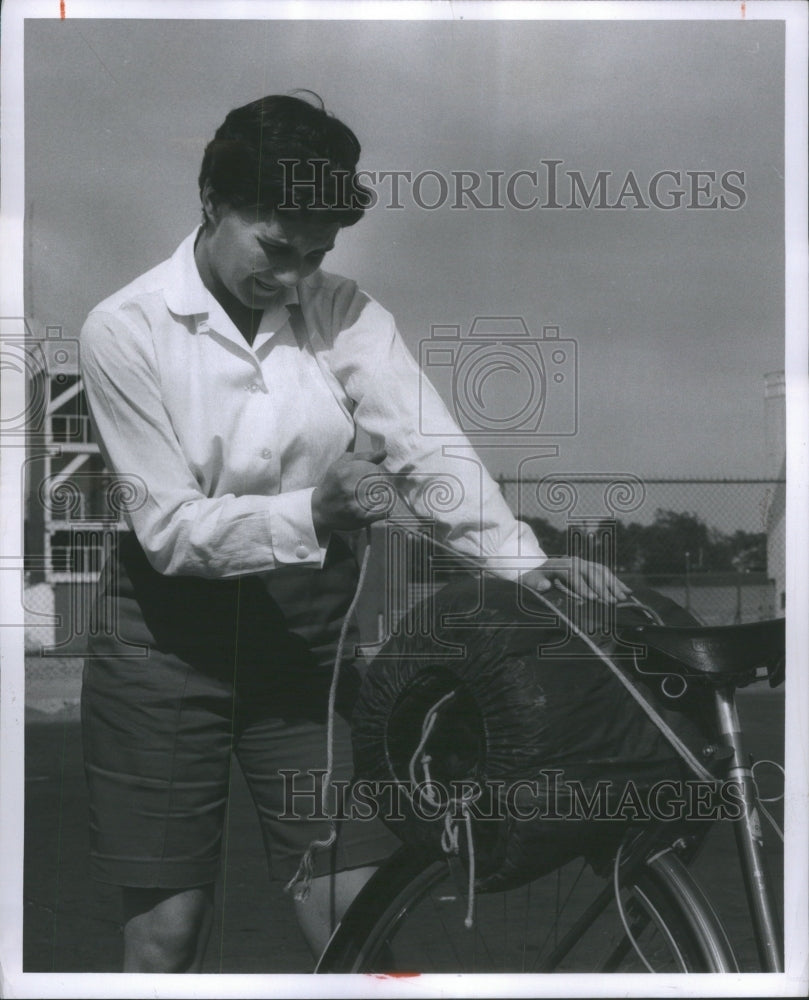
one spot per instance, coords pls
(210, 205)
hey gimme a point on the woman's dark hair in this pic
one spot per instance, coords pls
(282, 153)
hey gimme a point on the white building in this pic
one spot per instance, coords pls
(775, 438)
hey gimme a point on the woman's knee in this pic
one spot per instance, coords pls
(166, 930)
(328, 899)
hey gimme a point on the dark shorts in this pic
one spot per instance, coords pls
(183, 675)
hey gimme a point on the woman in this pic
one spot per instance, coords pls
(228, 384)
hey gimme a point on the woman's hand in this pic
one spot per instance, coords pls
(587, 580)
(353, 492)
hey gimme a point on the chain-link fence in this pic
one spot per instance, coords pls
(717, 546)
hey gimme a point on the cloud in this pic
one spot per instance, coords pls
(118, 114)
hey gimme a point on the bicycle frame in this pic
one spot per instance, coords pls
(653, 850)
(749, 839)
(747, 832)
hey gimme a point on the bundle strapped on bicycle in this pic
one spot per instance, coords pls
(679, 746)
(301, 881)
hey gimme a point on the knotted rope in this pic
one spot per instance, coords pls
(301, 882)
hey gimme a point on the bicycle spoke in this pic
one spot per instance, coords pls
(525, 926)
(422, 925)
(557, 914)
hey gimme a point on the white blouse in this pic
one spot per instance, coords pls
(228, 440)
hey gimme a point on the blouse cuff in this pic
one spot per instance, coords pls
(510, 564)
(294, 539)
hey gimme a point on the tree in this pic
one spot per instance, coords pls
(676, 542)
(671, 535)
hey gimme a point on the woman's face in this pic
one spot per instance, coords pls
(251, 256)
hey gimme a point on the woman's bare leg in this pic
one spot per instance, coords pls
(328, 899)
(166, 930)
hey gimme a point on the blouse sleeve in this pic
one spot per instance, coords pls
(181, 530)
(435, 469)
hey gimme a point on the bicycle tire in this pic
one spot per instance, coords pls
(409, 918)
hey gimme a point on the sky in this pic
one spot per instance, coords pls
(676, 314)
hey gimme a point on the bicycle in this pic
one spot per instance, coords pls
(639, 909)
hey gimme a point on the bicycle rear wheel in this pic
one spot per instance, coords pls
(410, 918)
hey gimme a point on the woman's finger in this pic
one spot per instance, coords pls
(582, 587)
(601, 580)
(569, 577)
(608, 587)
(376, 457)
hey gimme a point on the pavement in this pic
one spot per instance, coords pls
(72, 924)
(53, 686)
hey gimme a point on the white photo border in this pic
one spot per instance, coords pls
(794, 982)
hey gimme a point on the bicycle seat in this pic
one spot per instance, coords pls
(721, 653)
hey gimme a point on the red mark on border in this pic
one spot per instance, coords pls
(744, 8)
(394, 975)
(62, 12)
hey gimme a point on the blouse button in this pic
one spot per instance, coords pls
(253, 387)
(266, 453)
(301, 552)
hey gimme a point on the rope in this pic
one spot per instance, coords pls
(449, 845)
(778, 767)
(771, 820)
(643, 607)
(773, 798)
(301, 882)
(655, 716)
(619, 902)
(692, 761)
(470, 845)
(449, 835)
(426, 729)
